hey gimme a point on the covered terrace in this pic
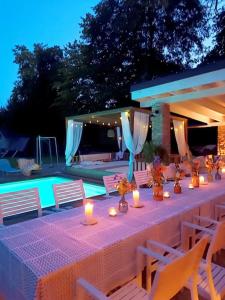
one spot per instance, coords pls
(197, 94)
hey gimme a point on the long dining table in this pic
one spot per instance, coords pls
(43, 257)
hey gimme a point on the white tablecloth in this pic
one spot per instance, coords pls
(43, 257)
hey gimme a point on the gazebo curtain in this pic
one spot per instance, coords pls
(134, 143)
(120, 140)
(73, 137)
(182, 145)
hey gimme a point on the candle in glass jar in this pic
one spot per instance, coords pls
(190, 186)
(201, 179)
(112, 212)
(88, 210)
(136, 197)
(166, 194)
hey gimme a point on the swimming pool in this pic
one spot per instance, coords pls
(44, 186)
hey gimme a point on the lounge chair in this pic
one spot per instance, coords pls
(6, 168)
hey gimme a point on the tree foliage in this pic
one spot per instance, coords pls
(30, 108)
(122, 42)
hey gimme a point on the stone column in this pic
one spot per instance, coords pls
(161, 125)
(221, 140)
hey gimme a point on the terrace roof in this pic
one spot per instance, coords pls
(110, 117)
(198, 94)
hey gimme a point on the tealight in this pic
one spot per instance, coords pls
(201, 179)
(136, 197)
(112, 212)
(190, 186)
(166, 195)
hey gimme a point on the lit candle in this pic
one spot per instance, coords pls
(166, 194)
(201, 179)
(112, 212)
(88, 210)
(223, 170)
(190, 186)
(136, 197)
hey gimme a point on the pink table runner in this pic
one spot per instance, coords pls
(42, 258)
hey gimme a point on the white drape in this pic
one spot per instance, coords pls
(182, 145)
(120, 140)
(134, 144)
(73, 137)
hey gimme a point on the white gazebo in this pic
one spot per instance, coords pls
(197, 94)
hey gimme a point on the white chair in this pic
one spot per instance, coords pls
(111, 181)
(15, 203)
(170, 278)
(211, 283)
(220, 211)
(142, 177)
(68, 192)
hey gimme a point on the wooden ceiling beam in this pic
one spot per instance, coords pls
(187, 112)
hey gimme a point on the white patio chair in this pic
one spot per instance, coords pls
(141, 177)
(211, 283)
(220, 211)
(68, 192)
(15, 203)
(111, 181)
(170, 278)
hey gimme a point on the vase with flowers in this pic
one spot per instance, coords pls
(195, 173)
(218, 164)
(157, 179)
(178, 175)
(209, 165)
(123, 187)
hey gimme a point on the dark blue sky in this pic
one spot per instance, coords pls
(25, 22)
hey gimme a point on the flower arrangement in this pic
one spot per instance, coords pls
(209, 163)
(157, 172)
(124, 186)
(157, 179)
(195, 173)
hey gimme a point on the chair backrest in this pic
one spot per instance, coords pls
(141, 177)
(68, 192)
(111, 181)
(15, 203)
(217, 242)
(171, 278)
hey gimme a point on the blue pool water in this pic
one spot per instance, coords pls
(44, 186)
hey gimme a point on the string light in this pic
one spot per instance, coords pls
(171, 128)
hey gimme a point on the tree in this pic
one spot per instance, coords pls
(126, 41)
(218, 52)
(30, 108)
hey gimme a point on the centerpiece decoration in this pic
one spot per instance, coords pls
(209, 165)
(123, 187)
(157, 179)
(88, 212)
(218, 163)
(177, 187)
(195, 173)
